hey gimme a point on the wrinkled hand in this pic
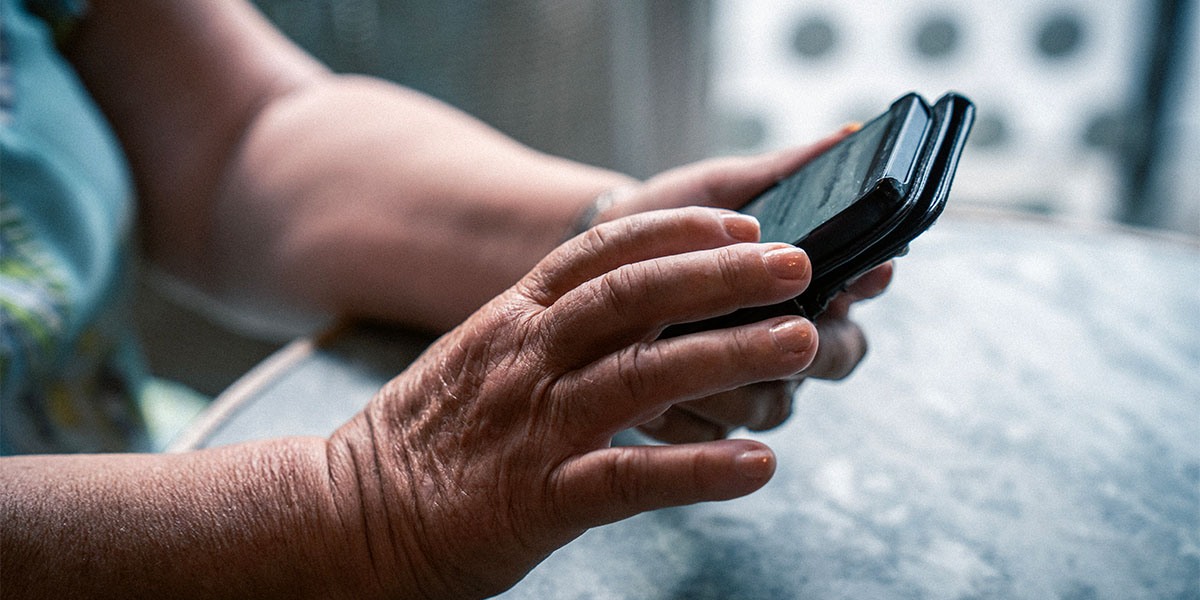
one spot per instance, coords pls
(729, 183)
(766, 405)
(493, 448)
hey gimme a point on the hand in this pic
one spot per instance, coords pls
(493, 448)
(766, 405)
(730, 183)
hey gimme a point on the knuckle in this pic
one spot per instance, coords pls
(742, 345)
(624, 483)
(617, 288)
(625, 288)
(599, 239)
(632, 373)
(695, 215)
(594, 239)
(731, 268)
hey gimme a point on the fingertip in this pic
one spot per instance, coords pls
(838, 308)
(737, 467)
(794, 335)
(797, 340)
(869, 284)
(741, 227)
(845, 348)
(884, 272)
(755, 464)
(874, 282)
(785, 261)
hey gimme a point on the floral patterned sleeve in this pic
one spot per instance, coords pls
(69, 372)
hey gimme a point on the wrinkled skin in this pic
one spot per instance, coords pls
(766, 405)
(728, 183)
(516, 407)
(492, 449)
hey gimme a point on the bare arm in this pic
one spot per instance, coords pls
(247, 520)
(261, 173)
(407, 210)
(459, 476)
(263, 176)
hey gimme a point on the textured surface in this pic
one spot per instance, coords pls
(1025, 426)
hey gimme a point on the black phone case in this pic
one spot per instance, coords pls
(837, 258)
(952, 116)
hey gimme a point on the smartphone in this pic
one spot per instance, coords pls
(860, 203)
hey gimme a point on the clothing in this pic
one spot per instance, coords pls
(69, 372)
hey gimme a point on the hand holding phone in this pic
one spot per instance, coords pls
(860, 203)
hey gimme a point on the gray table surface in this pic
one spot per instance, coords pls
(1026, 425)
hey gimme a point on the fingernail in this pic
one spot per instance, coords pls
(741, 227)
(851, 127)
(787, 262)
(794, 335)
(755, 464)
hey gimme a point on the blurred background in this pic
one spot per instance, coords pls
(1086, 110)
(1089, 110)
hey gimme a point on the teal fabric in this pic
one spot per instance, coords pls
(68, 365)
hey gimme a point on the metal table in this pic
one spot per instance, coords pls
(1025, 426)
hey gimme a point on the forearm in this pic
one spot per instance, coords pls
(180, 81)
(249, 520)
(261, 173)
(367, 198)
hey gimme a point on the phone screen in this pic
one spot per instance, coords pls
(826, 186)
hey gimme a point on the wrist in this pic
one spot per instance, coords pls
(287, 528)
(253, 520)
(331, 556)
(381, 557)
(603, 207)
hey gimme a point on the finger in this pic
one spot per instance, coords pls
(842, 348)
(866, 286)
(873, 282)
(727, 182)
(844, 345)
(636, 301)
(680, 426)
(757, 407)
(640, 381)
(611, 484)
(640, 237)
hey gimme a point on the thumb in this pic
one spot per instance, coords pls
(611, 484)
(726, 182)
